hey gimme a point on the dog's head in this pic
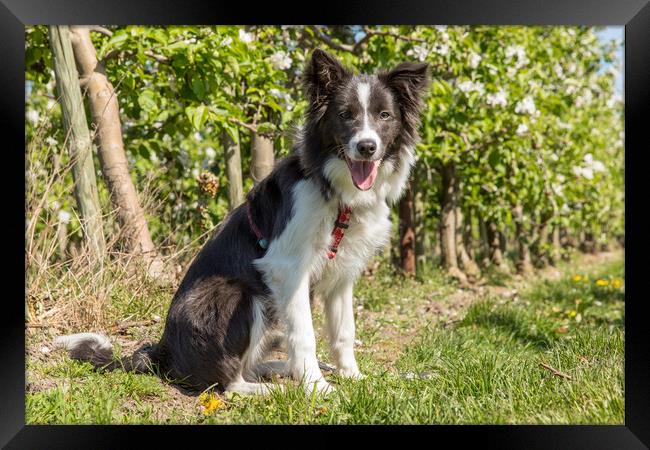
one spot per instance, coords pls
(364, 120)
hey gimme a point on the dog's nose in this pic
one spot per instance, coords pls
(366, 147)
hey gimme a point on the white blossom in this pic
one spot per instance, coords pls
(585, 98)
(559, 72)
(64, 216)
(226, 42)
(471, 86)
(442, 29)
(474, 60)
(526, 106)
(245, 37)
(586, 172)
(441, 49)
(554, 157)
(197, 136)
(33, 116)
(51, 141)
(210, 153)
(598, 166)
(284, 96)
(418, 51)
(522, 129)
(499, 98)
(195, 173)
(153, 157)
(520, 53)
(613, 100)
(280, 60)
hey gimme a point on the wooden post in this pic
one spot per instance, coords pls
(103, 104)
(233, 169)
(79, 143)
(262, 157)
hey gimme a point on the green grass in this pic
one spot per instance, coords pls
(483, 367)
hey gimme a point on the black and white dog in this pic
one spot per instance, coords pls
(309, 228)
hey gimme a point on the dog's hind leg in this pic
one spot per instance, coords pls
(267, 369)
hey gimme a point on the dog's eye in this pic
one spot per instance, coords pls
(384, 115)
(345, 115)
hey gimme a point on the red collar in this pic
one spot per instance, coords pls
(338, 232)
(340, 225)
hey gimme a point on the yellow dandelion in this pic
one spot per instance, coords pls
(617, 283)
(210, 403)
(577, 278)
(572, 313)
(602, 282)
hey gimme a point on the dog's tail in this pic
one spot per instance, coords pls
(98, 350)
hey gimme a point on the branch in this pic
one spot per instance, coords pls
(100, 29)
(330, 42)
(249, 126)
(115, 53)
(354, 48)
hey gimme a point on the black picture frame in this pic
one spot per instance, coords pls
(633, 14)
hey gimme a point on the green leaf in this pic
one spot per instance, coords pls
(197, 116)
(147, 100)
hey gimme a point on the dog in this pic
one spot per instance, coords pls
(309, 228)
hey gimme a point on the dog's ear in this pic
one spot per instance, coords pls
(408, 81)
(322, 76)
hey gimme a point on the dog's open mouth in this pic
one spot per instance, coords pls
(363, 173)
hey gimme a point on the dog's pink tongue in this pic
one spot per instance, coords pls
(363, 173)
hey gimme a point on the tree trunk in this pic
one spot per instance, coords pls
(106, 117)
(494, 240)
(233, 169)
(78, 142)
(542, 243)
(468, 235)
(485, 242)
(262, 157)
(448, 222)
(407, 232)
(524, 265)
(556, 247)
(421, 235)
(466, 263)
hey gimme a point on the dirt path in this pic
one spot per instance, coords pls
(400, 322)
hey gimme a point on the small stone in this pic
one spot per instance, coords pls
(45, 350)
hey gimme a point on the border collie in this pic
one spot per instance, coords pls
(309, 228)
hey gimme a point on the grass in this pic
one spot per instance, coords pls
(543, 350)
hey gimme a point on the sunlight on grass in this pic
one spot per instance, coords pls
(553, 354)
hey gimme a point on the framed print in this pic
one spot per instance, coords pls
(378, 215)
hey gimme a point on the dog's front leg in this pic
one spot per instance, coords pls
(339, 316)
(292, 296)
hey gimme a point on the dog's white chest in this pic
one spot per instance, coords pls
(368, 231)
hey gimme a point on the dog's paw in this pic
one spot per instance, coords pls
(351, 372)
(321, 386)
